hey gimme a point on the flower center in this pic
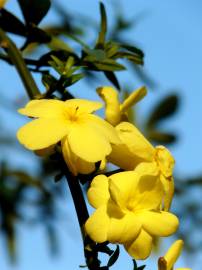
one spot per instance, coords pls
(72, 114)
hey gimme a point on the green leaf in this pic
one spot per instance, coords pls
(131, 57)
(114, 257)
(162, 137)
(141, 267)
(135, 267)
(57, 43)
(73, 79)
(112, 78)
(48, 81)
(10, 23)
(103, 27)
(166, 108)
(133, 49)
(34, 10)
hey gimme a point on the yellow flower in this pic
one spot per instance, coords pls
(85, 138)
(115, 112)
(2, 3)
(168, 260)
(136, 152)
(127, 212)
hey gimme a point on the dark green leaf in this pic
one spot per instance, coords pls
(114, 257)
(34, 10)
(131, 57)
(108, 65)
(166, 108)
(162, 137)
(141, 267)
(48, 80)
(112, 78)
(134, 265)
(133, 49)
(73, 79)
(103, 27)
(10, 23)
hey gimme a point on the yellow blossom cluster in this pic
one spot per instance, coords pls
(132, 207)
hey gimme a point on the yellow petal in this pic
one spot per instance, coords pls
(83, 105)
(149, 193)
(105, 128)
(98, 193)
(75, 164)
(46, 108)
(123, 229)
(136, 148)
(173, 253)
(183, 269)
(133, 98)
(112, 104)
(88, 143)
(158, 223)
(42, 133)
(122, 187)
(97, 225)
(165, 160)
(141, 248)
(169, 189)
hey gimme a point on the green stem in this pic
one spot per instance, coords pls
(19, 63)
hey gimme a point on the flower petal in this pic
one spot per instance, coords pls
(165, 160)
(105, 128)
(122, 187)
(123, 229)
(133, 149)
(84, 105)
(88, 143)
(149, 192)
(158, 223)
(141, 248)
(41, 133)
(135, 141)
(112, 104)
(74, 163)
(133, 98)
(97, 225)
(169, 187)
(98, 193)
(173, 253)
(46, 108)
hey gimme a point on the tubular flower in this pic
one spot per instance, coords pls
(85, 138)
(168, 260)
(136, 152)
(115, 112)
(127, 212)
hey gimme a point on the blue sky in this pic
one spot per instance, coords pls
(169, 32)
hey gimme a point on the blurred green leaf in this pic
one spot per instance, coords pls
(103, 27)
(161, 137)
(10, 23)
(113, 79)
(164, 109)
(34, 10)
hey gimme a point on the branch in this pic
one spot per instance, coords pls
(19, 63)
